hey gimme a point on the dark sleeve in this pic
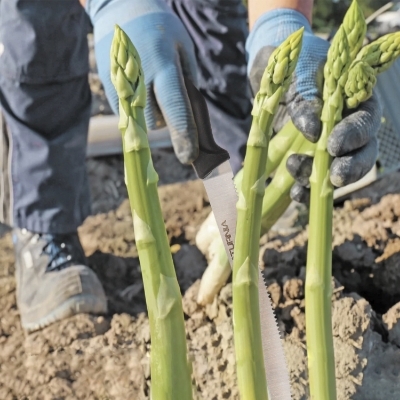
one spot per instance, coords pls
(219, 30)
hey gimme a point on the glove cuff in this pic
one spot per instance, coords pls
(104, 14)
(272, 28)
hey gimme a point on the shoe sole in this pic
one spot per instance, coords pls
(73, 306)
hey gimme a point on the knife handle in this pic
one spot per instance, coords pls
(210, 154)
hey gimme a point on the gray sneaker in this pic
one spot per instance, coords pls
(52, 280)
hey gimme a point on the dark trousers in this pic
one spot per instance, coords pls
(45, 101)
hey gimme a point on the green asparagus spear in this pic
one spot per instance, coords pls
(277, 195)
(372, 59)
(321, 362)
(219, 269)
(278, 146)
(361, 80)
(246, 317)
(170, 370)
(381, 53)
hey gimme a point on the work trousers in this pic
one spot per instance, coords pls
(46, 102)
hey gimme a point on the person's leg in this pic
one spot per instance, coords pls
(47, 126)
(219, 30)
(45, 102)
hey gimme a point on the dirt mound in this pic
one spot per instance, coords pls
(107, 357)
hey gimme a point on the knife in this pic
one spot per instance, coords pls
(213, 168)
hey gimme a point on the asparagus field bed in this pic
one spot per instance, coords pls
(107, 357)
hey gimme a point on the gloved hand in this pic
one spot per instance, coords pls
(353, 142)
(166, 52)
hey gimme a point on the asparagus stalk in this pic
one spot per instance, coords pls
(277, 195)
(357, 83)
(319, 257)
(278, 146)
(170, 370)
(321, 362)
(280, 143)
(246, 317)
(275, 202)
(219, 269)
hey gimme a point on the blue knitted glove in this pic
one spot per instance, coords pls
(353, 142)
(166, 52)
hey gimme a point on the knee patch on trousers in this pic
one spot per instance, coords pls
(43, 41)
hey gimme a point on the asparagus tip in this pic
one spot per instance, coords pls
(126, 70)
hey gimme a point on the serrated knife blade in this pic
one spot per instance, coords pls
(213, 167)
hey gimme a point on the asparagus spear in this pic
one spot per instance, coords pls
(381, 53)
(277, 149)
(170, 370)
(277, 195)
(219, 269)
(361, 81)
(344, 48)
(319, 257)
(246, 317)
(372, 59)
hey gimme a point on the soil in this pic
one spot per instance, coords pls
(107, 357)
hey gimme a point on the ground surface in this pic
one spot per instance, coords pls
(107, 357)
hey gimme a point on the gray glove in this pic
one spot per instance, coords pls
(353, 142)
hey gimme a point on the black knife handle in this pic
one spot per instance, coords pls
(210, 154)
